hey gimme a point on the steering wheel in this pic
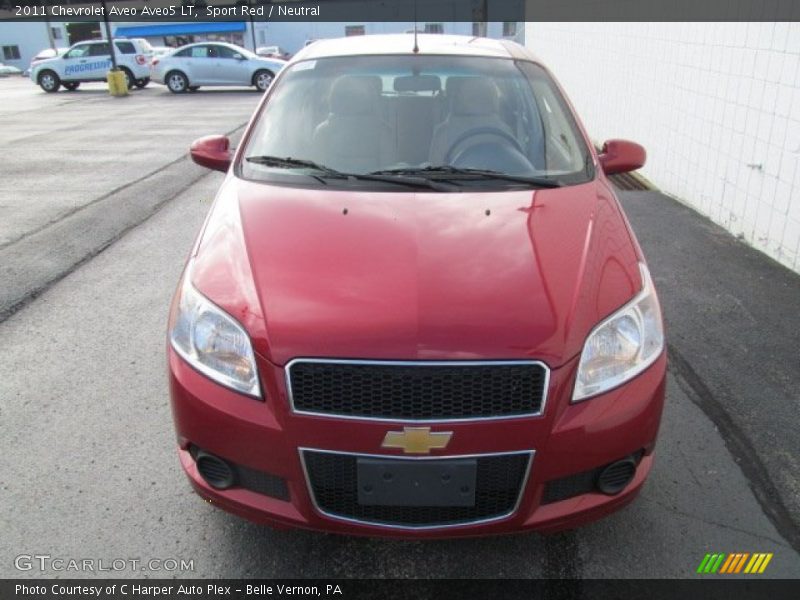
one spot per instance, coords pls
(491, 156)
(490, 132)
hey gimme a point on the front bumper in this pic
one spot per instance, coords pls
(567, 439)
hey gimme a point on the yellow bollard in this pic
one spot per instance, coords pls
(117, 85)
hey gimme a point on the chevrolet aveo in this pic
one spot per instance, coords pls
(416, 307)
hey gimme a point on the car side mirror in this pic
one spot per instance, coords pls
(238, 56)
(621, 156)
(212, 152)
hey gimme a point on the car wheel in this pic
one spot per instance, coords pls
(49, 81)
(71, 86)
(140, 83)
(194, 88)
(129, 80)
(262, 79)
(177, 82)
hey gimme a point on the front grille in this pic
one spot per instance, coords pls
(419, 391)
(499, 484)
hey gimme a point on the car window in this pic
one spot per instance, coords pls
(185, 53)
(199, 52)
(126, 47)
(225, 52)
(77, 51)
(99, 49)
(364, 114)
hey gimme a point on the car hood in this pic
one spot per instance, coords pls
(501, 275)
(55, 61)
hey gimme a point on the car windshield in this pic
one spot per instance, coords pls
(78, 51)
(466, 121)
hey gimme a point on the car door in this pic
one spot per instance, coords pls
(234, 68)
(201, 65)
(99, 62)
(74, 62)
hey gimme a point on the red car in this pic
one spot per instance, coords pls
(416, 307)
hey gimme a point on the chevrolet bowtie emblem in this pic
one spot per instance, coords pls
(417, 440)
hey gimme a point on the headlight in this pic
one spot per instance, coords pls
(213, 342)
(623, 345)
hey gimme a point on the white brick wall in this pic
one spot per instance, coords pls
(716, 105)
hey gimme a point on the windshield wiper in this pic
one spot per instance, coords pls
(323, 171)
(451, 173)
(288, 162)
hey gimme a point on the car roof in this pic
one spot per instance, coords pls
(105, 41)
(403, 43)
(212, 43)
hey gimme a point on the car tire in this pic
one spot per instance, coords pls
(129, 79)
(262, 79)
(71, 86)
(176, 82)
(140, 83)
(49, 81)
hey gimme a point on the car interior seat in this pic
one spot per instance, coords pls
(353, 137)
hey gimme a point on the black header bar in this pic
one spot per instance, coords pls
(710, 588)
(425, 11)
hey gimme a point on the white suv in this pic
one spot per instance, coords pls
(91, 61)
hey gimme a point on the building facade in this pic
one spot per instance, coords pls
(716, 105)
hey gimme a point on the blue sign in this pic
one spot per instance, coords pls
(75, 69)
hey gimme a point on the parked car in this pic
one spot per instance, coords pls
(272, 52)
(44, 55)
(6, 70)
(416, 307)
(91, 61)
(214, 63)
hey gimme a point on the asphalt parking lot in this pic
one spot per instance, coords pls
(98, 208)
(76, 167)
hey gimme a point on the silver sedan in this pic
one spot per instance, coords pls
(213, 63)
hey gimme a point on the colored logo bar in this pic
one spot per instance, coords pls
(735, 563)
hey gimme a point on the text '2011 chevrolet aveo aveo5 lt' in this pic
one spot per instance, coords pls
(416, 307)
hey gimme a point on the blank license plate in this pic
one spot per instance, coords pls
(416, 482)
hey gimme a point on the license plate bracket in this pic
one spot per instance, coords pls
(416, 482)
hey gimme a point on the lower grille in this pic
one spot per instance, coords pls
(578, 484)
(249, 479)
(569, 487)
(499, 484)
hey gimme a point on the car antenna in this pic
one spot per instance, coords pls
(416, 46)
